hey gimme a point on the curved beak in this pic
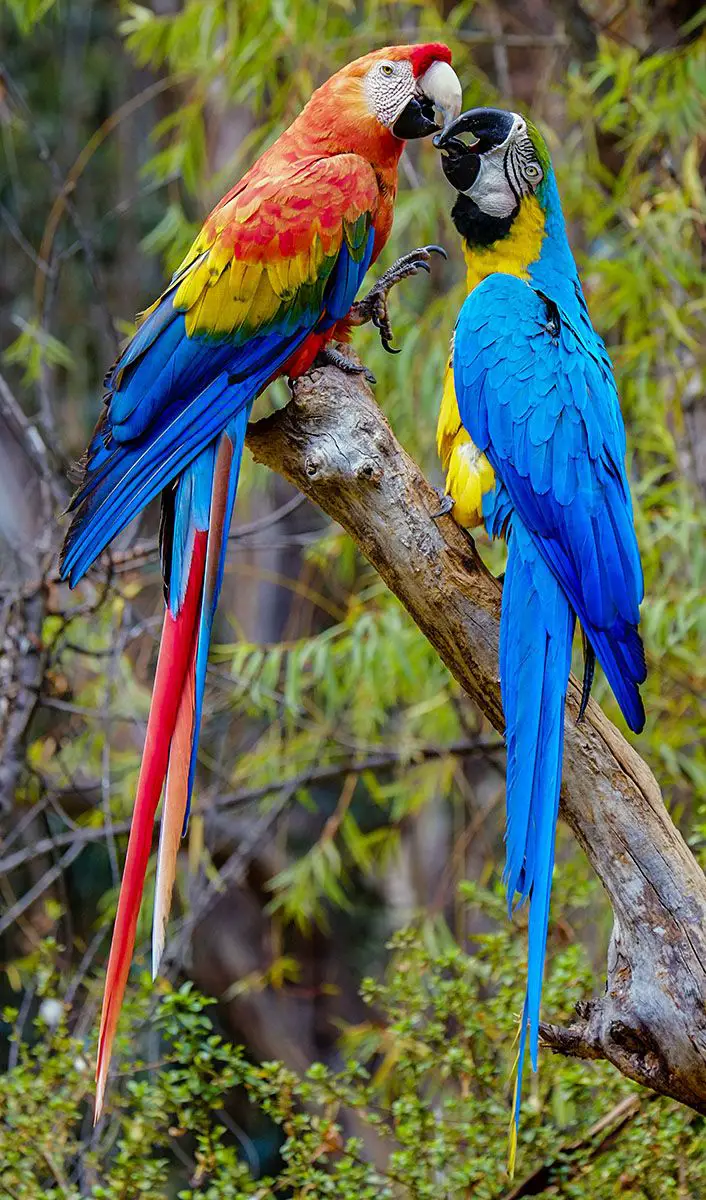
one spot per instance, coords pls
(490, 127)
(436, 103)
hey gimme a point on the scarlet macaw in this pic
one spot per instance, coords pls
(532, 438)
(268, 283)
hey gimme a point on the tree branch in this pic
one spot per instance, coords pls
(334, 444)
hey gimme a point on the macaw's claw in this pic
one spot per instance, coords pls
(331, 356)
(374, 306)
(446, 505)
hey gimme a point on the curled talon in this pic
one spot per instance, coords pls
(331, 356)
(445, 507)
(374, 306)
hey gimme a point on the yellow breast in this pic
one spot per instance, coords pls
(469, 475)
(514, 253)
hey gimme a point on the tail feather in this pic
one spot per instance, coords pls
(225, 482)
(536, 632)
(176, 793)
(197, 518)
(175, 656)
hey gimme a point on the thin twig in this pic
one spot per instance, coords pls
(47, 879)
(375, 762)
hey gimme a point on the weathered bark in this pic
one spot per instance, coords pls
(334, 444)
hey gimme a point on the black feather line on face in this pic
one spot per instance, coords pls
(510, 170)
(478, 228)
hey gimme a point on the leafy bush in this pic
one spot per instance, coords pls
(414, 1111)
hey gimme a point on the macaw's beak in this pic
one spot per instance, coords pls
(436, 103)
(490, 127)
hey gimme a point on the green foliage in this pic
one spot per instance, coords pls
(33, 350)
(420, 1084)
(426, 1088)
(28, 13)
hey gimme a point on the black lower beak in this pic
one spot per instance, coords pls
(416, 120)
(460, 164)
(490, 127)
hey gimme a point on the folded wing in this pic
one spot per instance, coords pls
(279, 260)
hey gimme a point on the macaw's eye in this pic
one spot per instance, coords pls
(387, 69)
(532, 172)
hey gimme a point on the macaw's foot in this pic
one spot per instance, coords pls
(446, 505)
(374, 306)
(331, 356)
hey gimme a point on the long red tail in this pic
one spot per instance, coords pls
(176, 662)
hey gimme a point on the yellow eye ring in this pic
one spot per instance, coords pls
(387, 69)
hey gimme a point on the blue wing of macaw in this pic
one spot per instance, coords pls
(542, 406)
(538, 398)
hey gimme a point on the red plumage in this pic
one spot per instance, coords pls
(276, 236)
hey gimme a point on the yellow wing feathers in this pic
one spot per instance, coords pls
(469, 475)
(266, 242)
(222, 294)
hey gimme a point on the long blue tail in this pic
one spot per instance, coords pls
(536, 632)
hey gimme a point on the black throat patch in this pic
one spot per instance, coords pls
(475, 226)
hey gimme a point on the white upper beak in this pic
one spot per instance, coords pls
(441, 85)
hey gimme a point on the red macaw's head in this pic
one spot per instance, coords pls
(379, 101)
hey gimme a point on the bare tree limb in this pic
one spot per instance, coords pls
(334, 444)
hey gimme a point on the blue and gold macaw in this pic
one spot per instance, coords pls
(532, 439)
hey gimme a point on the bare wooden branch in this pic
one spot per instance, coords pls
(334, 444)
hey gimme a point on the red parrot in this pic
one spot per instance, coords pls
(268, 283)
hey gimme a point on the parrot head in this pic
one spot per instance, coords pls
(388, 96)
(505, 163)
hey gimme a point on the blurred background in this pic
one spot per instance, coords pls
(346, 787)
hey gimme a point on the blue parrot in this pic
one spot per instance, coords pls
(532, 439)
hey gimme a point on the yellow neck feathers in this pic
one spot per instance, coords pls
(469, 475)
(513, 254)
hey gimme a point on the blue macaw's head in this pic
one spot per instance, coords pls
(504, 162)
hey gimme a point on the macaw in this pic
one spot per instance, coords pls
(270, 281)
(532, 439)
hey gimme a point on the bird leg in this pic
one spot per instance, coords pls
(374, 306)
(331, 356)
(446, 503)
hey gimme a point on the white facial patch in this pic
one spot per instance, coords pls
(507, 173)
(389, 86)
(491, 189)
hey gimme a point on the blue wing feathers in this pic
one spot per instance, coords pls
(554, 435)
(171, 396)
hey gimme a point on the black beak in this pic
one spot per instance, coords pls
(461, 163)
(489, 126)
(416, 119)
